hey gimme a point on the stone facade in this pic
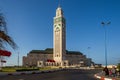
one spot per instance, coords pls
(34, 56)
(40, 58)
(75, 59)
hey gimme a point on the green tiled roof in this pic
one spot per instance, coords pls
(74, 53)
(46, 51)
(50, 51)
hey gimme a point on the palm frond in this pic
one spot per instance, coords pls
(3, 23)
(1, 44)
(4, 37)
(7, 39)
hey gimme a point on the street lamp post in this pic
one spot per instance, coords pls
(104, 24)
(18, 59)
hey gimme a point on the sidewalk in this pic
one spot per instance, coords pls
(102, 77)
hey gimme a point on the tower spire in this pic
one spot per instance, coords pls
(58, 3)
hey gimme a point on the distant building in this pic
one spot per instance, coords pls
(98, 65)
(110, 66)
(58, 56)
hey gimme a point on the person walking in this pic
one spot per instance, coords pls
(106, 71)
(113, 70)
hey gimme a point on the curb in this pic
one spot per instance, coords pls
(103, 78)
(29, 72)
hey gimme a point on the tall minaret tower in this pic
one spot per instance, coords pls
(59, 30)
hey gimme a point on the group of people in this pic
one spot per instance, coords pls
(112, 72)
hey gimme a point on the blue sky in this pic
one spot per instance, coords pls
(30, 24)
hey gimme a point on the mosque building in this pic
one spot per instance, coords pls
(57, 56)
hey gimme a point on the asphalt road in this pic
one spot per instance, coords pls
(74, 74)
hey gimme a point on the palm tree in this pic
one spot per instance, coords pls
(4, 37)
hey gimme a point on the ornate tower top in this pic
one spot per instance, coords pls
(59, 12)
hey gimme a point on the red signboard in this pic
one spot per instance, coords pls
(5, 53)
